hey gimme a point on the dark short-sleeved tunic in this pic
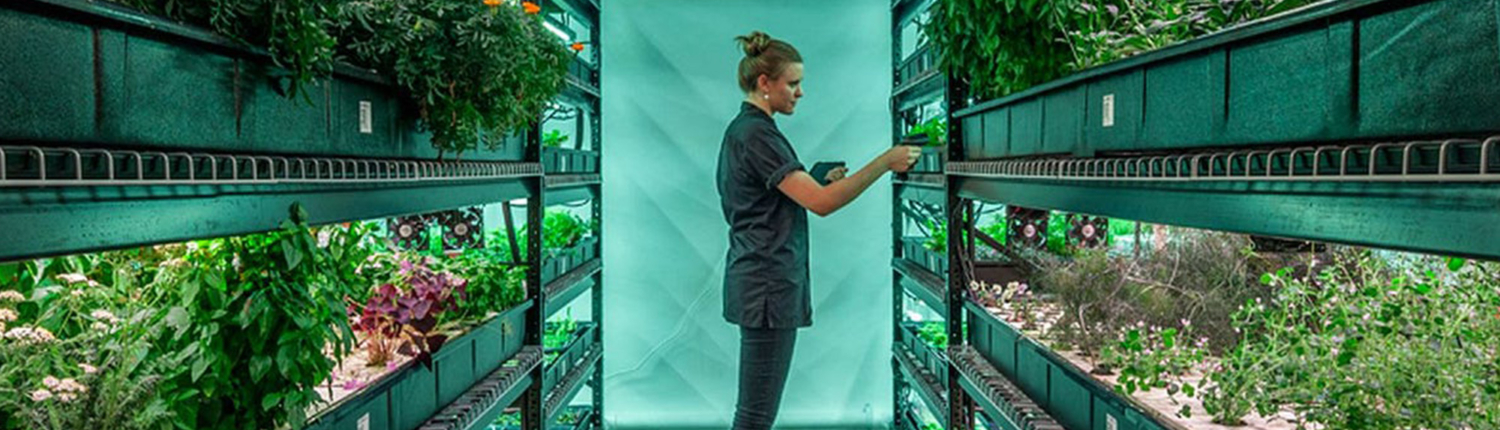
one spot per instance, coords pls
(765, 279)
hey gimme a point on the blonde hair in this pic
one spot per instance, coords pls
(763, 56)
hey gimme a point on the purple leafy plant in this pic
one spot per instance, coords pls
(404, 319)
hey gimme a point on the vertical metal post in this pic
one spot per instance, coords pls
(532, 412)
(596, 122)
(960, 255)
(898, 383)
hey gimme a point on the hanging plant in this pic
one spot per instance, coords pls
(294, 32)
(475, 70)
(1000, 47)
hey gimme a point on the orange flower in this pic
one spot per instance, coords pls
(531, 8)
(577, 46)
(492, 3)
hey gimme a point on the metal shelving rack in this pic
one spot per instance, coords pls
(104, 175)
(570, 183)
(1354, 148)
(919, 370)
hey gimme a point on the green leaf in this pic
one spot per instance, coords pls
(1456, 263)
(259, 365)
(292, 254)
(201, 365)
(178, 318)
(270, 401)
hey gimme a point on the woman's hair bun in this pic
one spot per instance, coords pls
(754, 43)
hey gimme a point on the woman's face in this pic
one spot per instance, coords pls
(783, 92)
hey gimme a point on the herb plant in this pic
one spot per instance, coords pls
(250, 318)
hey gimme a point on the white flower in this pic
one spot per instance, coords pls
(11, 296)
(7, 315)
(77, 293)
(101, 314)
(99, 326)
(40, 395)
(87, 369)
(73, 278)
(323, 237)
(66, 397)
(71, 385)
(50, 381)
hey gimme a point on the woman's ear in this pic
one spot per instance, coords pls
(763, 84)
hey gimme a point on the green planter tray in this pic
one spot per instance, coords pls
(1076, 400)
(569, 161)
(570, 356)
(567, 259)
(935, 262)
(931, 359)
(1351, 70)
(95, 73)
(407, 397)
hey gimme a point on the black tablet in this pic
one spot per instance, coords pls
(820, 170)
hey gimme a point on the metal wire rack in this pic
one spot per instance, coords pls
(1454, 160)
(33, 166)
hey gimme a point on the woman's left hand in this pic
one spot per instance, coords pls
(836, 174)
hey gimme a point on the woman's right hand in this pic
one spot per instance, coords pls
(900, 158)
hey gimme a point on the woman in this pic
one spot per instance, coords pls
(766, 193)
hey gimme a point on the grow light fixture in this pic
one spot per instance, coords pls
(560, 34)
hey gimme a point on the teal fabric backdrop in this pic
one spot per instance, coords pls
(669, 85)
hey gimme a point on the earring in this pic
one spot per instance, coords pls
(765, 96)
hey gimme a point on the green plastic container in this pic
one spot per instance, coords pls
(1357, 70)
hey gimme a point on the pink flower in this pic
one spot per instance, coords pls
(50, 381)
(11, 296)
(7, 315)
(66, 397)
(353, 384)
(40, 395)
(87, 369)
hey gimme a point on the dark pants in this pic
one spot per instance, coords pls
(765, 358)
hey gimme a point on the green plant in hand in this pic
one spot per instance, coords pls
(250, 318)
(936, 130)
(935, 333)
(554, 139)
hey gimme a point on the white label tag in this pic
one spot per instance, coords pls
(1109, 110)
(366, 125)
(364, 421)
(1109, 422)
